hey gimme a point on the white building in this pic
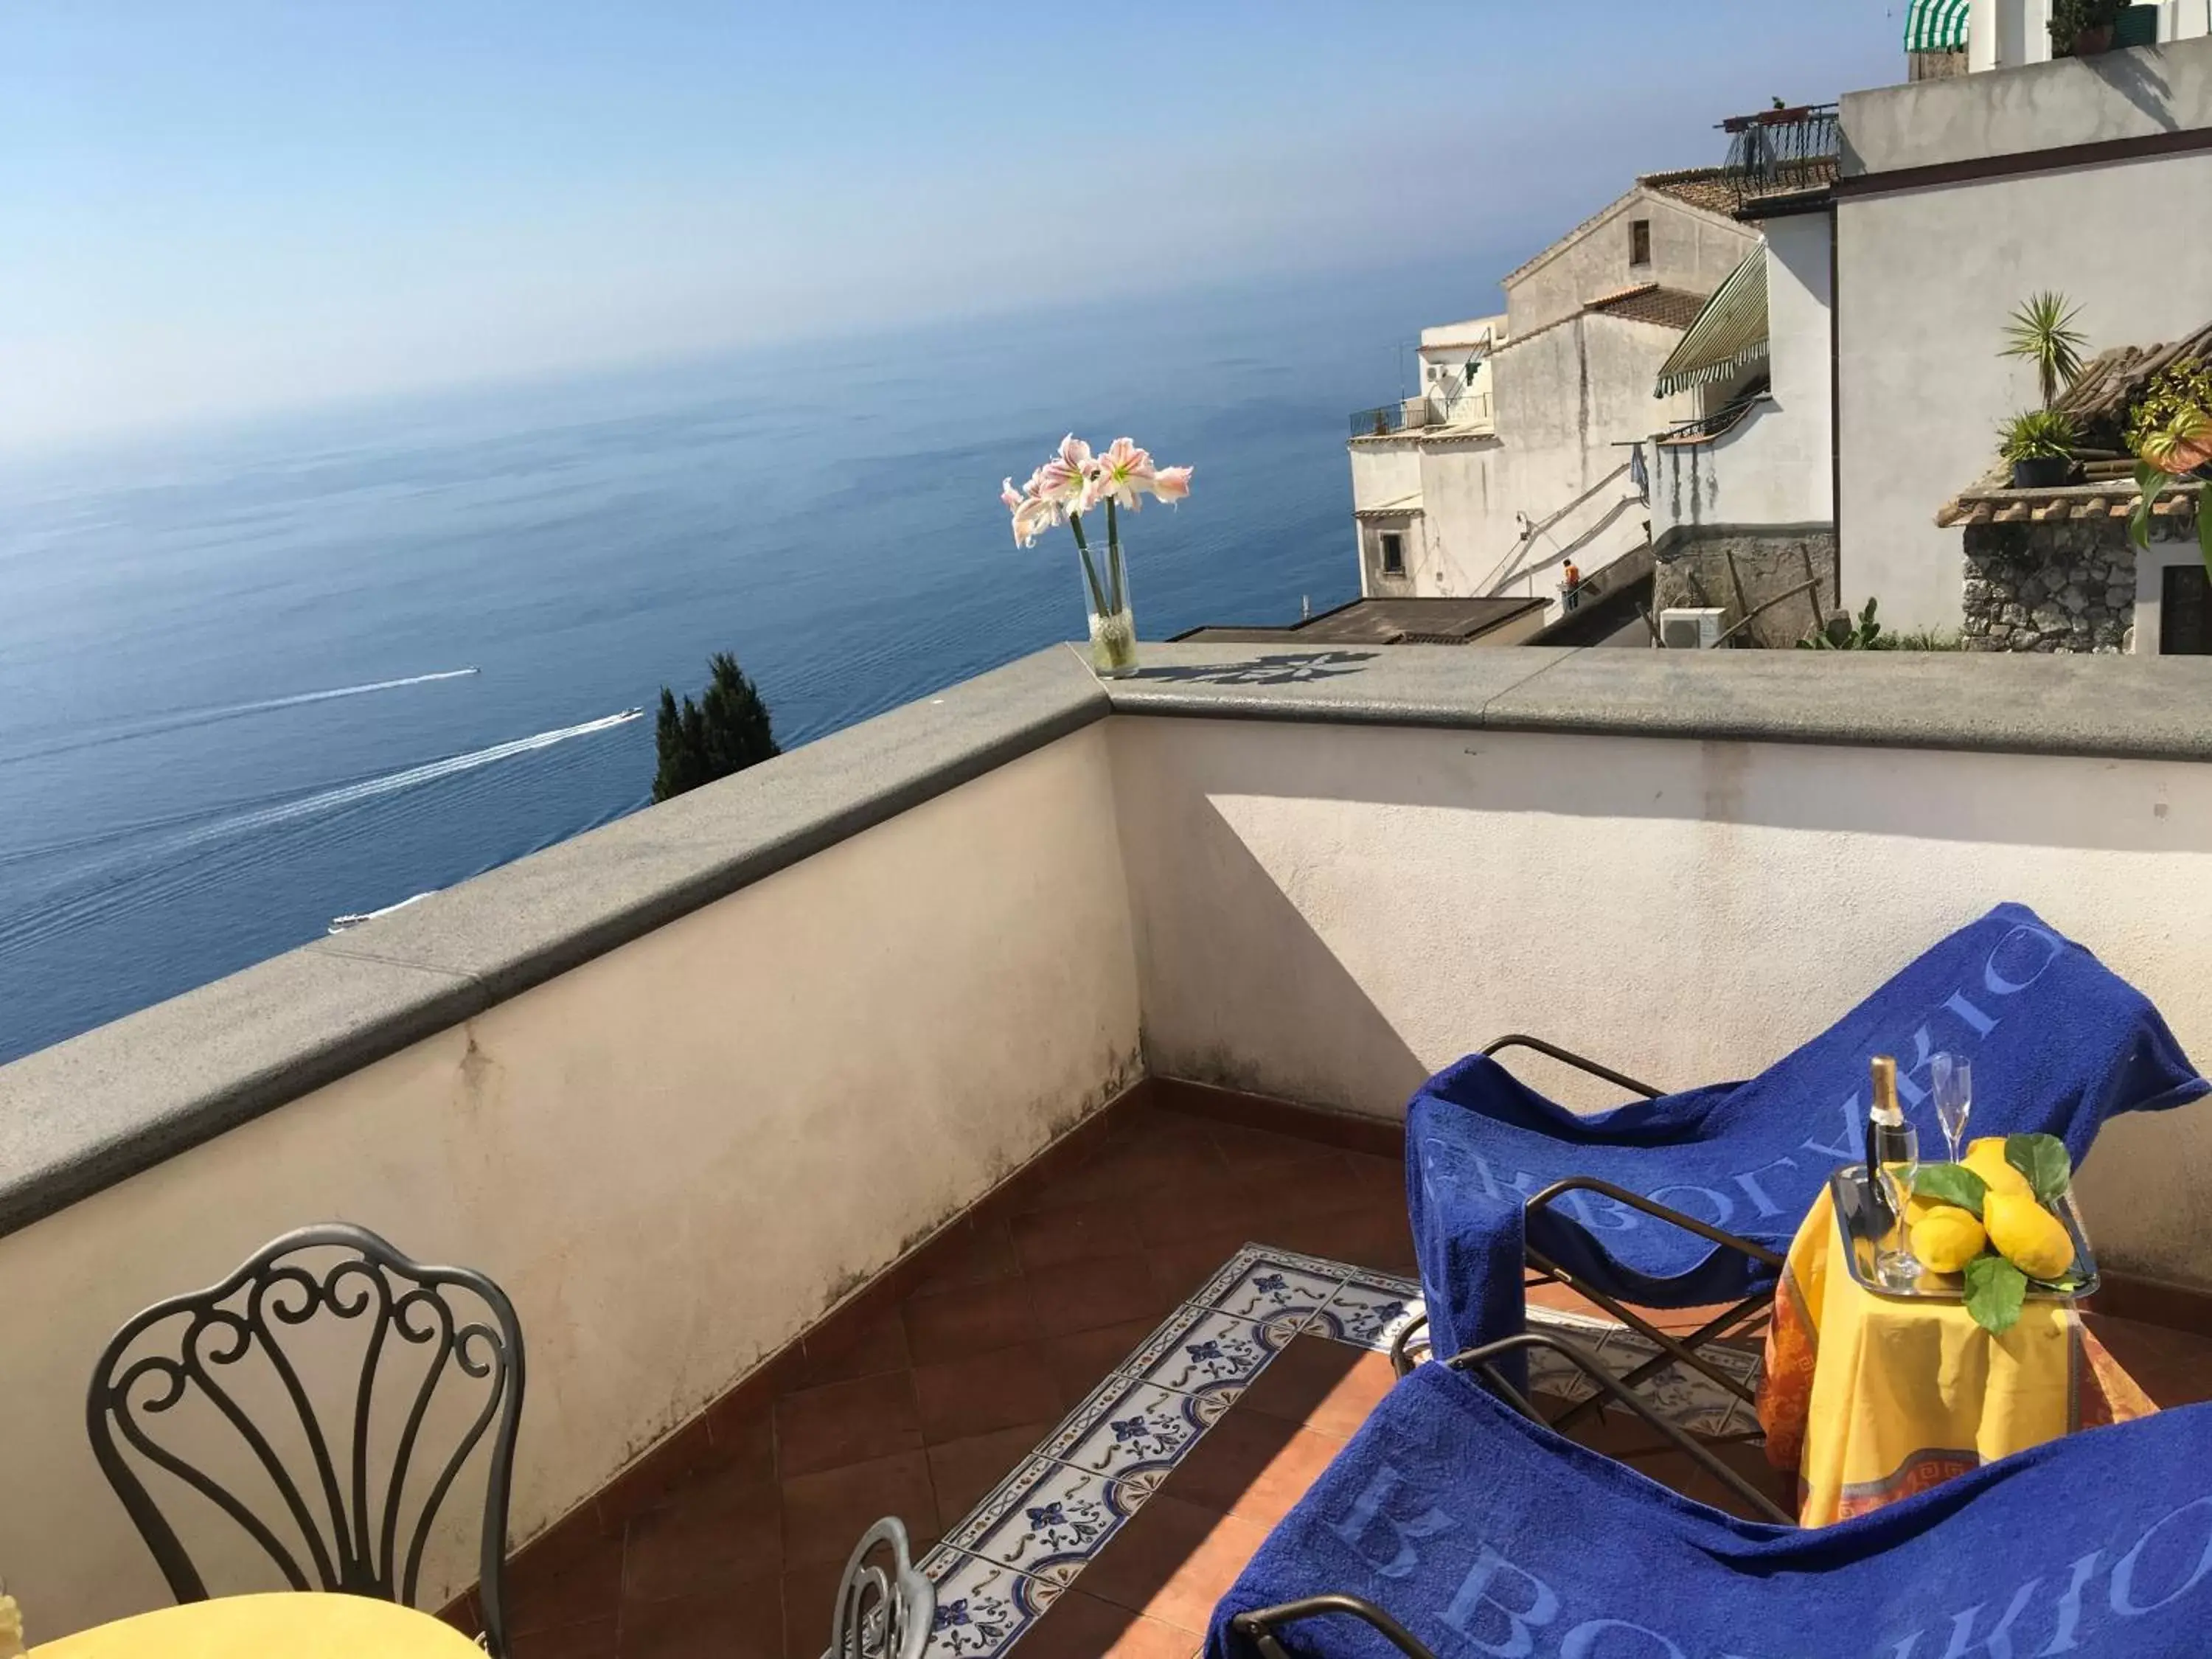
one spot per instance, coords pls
(1990, 34)
(1491, 487)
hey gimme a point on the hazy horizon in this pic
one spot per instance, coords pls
(227, 210)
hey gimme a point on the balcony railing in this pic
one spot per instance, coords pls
(1779, 151)
(1468, 406)
(681, 1084)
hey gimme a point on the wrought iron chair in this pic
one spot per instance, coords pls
(883, 1611)
(1738, 1322)
(342, 1526)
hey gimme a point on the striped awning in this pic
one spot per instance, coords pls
(1936, 25)
(1727, 336)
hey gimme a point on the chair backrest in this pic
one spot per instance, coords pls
(884, 1610)
(349, 1511)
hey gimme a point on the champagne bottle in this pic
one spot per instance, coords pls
(1893, 1156)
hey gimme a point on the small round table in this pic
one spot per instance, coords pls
(288, 1625)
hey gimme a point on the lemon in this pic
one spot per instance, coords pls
(1986, 1158)
(2026, 1235)
(1945, 1237)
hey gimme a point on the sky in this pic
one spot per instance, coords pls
(213, 209)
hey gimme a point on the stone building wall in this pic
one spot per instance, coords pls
(2063, 584)
(1737, 567)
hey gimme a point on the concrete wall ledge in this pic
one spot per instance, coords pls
(85, 1114)
(2120, 708)
(89, 1113)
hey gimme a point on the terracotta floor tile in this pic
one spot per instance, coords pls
(595, 1640)
(1080, 1626)
(1233, 1210)
(1364, 1239)
(1261, 1152)
(825, 1514)
(986, 1391)
(704, 1537)
(845, 1423)
(980, 1252)
(2174, 1368)
(1321, 1385)
(1080, 1362)
(570, 1578)
(1107, 1289)
(963, 1471)
(810, 1597)
(732, 1621)
(866, 1350)
(744, 1441)
(647, 1482)
(1182, 1265)
(1131, 1170)
(1070, 1233)
(1251, 1465)
(974, 1319)
(1172, 1561)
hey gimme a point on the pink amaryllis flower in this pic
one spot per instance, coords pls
(1033, 512)
(1119, 476)
(1065, 479)
(1171, 483)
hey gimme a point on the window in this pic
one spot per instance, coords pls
(1639, 241)
(2184, 618)
(1394, 553)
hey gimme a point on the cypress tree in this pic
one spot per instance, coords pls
(727, 730)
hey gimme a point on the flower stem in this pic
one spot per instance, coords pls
(1090, 572)
(1115, 580)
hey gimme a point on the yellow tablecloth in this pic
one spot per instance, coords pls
(284, 1626)
(1871, 1398)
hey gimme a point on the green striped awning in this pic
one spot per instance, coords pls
(1725, 337)
(1936, 25)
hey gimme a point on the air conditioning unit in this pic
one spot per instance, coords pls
(1692, 628)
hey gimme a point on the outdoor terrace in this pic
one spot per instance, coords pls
(839, 1130)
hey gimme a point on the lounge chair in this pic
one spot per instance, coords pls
(1453, 1527)
(1679, 1200)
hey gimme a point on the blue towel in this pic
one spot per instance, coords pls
(1486, 1534)
(2058, 1043)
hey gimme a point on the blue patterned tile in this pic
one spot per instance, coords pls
(1369, 1311)
(1215, 1292)
(1143, 1427)
(1206, 1352)
(1047, 1520)
(1268, 1290)
(982, 1607)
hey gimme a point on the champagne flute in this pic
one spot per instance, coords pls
(1895, 1265)
(1953, 1081)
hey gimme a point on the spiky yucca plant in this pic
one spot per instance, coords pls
(2042, 330)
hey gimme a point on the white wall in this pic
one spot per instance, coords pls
(2009, 33)
(1927, 278)
(1569, 398)
(674, 1159)
(1774, 467)
(1330, 914)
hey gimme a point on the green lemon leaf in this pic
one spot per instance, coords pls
(2043, 1160)
(1995, 1292)
(1950, 1183)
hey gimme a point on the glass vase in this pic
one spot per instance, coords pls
(1113, 624)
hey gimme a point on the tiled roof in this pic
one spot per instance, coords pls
(1701, 187)
(1669, 308)
(2107, 498)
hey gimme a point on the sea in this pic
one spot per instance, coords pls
(257, 676)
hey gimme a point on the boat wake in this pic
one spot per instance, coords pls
(124, 876)
(183, 718)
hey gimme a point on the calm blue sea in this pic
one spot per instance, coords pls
(231, 703)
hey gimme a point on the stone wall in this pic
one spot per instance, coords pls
(2059, 586)
(1742, 566)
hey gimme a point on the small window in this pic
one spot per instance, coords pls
(1394, 553)
(1639, 241)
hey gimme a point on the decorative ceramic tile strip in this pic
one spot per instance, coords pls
(1007, 1561)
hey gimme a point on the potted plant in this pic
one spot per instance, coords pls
(2171, 432)
(2082, 29)
(2040, 444)
(2042, 332)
